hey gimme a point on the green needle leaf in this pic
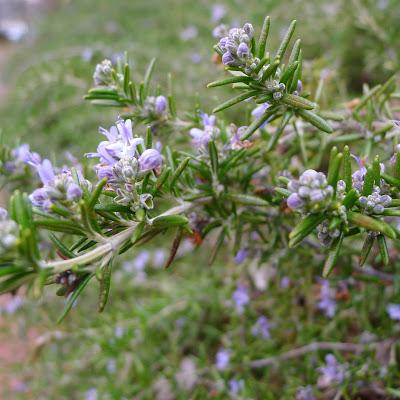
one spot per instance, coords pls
(212, 149)
(228, 81)
(105, 283)
(371, 224)
(270, 70)
(367, 97)
(247, 200)
(262, 41)
(376, 171)
(285, 42)
(179, 170)
(383, 249)
(237, 99)
(294, 55)
(304, 228)
(368, 185)
(347, 172)
(258, 122)
(288, 74)
(315, 120)
(366, 249)
(332, 256)
(298, 101)
(350, 198)
(96, 193)
(76, 293)
(147, 78)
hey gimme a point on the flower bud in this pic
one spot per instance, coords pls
(161, 105)
(150, 159)
(248, 29)
(103, 73)
(243, 50)
(74, 192)
(294, 201)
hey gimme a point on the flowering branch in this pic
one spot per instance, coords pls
(242, 185)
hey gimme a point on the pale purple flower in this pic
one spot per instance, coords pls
(228, 59)
(394, 311)
(190, 32)
(299, 86)
(12, 305)
(261, 328)
(241, 255)
(91, 394)
(125, 130)
(187, 376)
(332, 373)
(150, 159)
(327, 302)
(120, 144)
(325, 73)
(141, 260)
(196, 58)
(87, 54)
(294, 201)
(40, 199)
(163, 389)
(161, 105)
(201, 137)
(243, 50)
(185, 248)
(241, 298)
(220, 31)
(305, 393)
(111, 366)
(180, 322)
(20, 387)
(23, 154)
(222, 359)
(285, 282)
(74, 192)
(104, 171)
(46, 172)
(358, 178)
(218, 12)
(235, 386)
(119, 331)
(159, 258)
(3, 214)
(259, 111)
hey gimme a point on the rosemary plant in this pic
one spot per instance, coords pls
(259, 188)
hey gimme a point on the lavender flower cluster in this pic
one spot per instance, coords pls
(310, 193)
(375, 203)
(20, 157)
(236, 49)
(201, 137)
(104, 74)
(124, 163)
(60, 187)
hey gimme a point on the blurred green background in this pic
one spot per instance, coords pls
(156, 320)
